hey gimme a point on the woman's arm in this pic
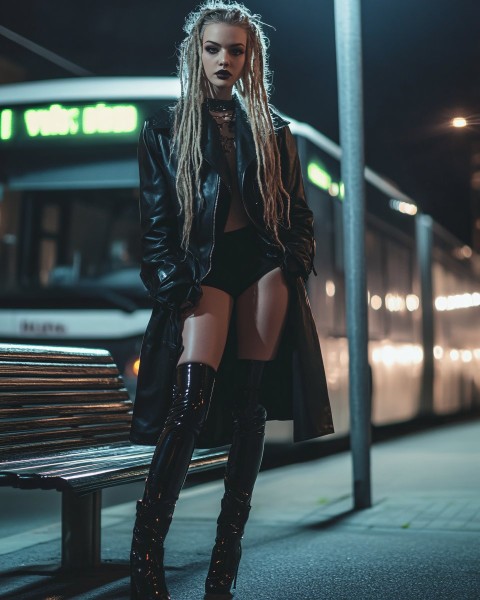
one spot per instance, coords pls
(169, 277)
(300, 239)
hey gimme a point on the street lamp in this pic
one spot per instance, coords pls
(459, 122)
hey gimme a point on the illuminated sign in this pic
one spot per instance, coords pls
(57, 120)
(6, 124)
(317, 175)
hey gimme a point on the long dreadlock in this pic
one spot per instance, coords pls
(253, 88)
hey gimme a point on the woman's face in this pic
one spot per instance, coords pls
(223, 57)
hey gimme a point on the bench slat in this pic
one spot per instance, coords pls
(64, 409)
(77, 456)
(98, 476)
(57, 422)
(60, 396)
(61, 434)
(71, 383)
(56, 369)
(50, 445)
(15, 352)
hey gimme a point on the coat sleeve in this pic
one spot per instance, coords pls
(299, 240)
(169, 275)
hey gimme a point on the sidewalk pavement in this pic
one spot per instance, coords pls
(420, 539)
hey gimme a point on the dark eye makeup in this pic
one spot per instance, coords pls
(214, 49)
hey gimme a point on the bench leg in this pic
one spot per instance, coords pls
(81, 528)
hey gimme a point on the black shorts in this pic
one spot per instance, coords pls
(238, 261)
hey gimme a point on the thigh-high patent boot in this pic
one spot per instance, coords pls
(244, 460)
(191, 399)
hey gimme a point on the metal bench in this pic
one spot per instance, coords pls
(64, 423)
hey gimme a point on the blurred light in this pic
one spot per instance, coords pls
(467, 251)
(457, 301)
(341, 195)
(6, 124)
(438, 352)
(466, 355)
(318, 176)
(454, 354)
(394, 303)
(136, 367)
(376, 302)
(334, 189)
(404, 207)
(413, 302)
(389, 355)
(459, 122)
(476, 353)
(330, 288)
(475, 180)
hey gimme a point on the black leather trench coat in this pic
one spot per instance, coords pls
(294, 384)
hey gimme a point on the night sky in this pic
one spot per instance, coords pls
(421, 68)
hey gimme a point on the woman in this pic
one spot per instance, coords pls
(228, 242)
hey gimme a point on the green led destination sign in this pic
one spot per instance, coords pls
(62, 121)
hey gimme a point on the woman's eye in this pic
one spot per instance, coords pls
(237, 52)
(211, 49)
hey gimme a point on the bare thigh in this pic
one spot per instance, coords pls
(205, 330)
(261, 312)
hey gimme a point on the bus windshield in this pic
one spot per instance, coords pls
(62, 243)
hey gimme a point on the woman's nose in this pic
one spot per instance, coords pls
(224, 59)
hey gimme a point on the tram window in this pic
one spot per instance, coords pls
(399, 286)
(48, 258)
(375, 283)
(50, 219)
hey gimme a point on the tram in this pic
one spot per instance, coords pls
(69, 251)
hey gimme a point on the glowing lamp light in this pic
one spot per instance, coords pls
(405, 354)
(330, 288)
(457, 301)
(413, 302)
(376, 302)
(394, 302)
(136, 367)
(407, 208)
(438, 352)
(334, 189)
(459, 122)
(454, 355)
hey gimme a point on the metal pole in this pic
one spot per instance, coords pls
(424, 240)
(349, 71)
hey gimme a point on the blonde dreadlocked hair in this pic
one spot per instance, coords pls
(253, 87)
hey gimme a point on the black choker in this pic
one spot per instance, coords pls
(216, 105)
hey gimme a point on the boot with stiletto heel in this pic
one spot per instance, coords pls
(244, 461)
(191, 399)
